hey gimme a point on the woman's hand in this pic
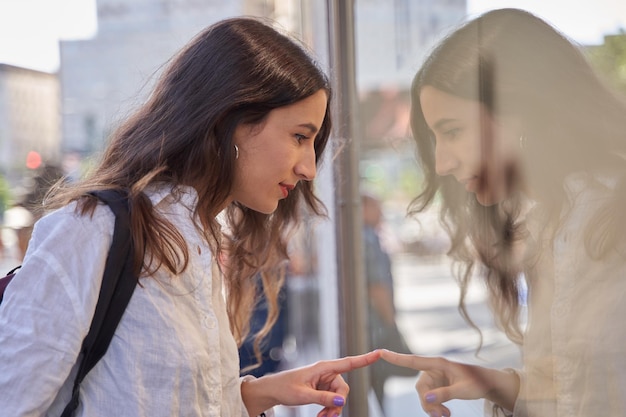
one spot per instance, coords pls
(319, 383)
(442, 380)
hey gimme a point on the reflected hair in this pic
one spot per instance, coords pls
(515, 64)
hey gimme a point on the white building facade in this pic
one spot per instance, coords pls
(29, 118)
(104, 78)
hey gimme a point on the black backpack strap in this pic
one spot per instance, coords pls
(118, 284)
(4, 281)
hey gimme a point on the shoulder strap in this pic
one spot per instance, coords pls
(118, 284)
(4, 281)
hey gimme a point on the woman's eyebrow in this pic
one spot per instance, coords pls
(442, 122)
(312, 128)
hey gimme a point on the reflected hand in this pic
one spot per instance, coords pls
(442, 380)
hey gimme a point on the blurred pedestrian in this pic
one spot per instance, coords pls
(525, 146)
(5, 198)
(262, 354)
(383, 329)
(23, 214)
(19, 220)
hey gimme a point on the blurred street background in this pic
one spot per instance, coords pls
(427, 300)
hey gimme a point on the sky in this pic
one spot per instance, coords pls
(30, 29)
(585, 21)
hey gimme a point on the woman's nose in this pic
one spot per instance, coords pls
(445, 161)
(306, 168)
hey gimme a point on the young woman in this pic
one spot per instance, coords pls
(523, 147)
(236, 124)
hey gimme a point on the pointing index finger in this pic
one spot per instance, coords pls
(350, 363)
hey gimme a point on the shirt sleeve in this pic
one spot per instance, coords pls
(492, 409)
(48, 307)
(244, 411)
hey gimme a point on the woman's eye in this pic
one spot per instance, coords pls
(300, 137)
(451, 134)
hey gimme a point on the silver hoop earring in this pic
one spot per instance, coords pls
(236, 151)
(522, 141)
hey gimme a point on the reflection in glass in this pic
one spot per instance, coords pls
(523, 146)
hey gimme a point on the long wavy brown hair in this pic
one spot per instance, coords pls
(515, 64)
(236, 71)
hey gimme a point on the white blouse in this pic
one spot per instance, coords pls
(172, 355)
(574, 352)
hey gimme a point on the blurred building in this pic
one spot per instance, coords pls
(104, 78)
(29, 118)
(392, 37)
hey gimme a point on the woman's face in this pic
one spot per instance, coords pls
(277, 153)
(479, 151)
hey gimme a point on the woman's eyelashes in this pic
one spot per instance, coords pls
(448, 134)
(300, 138)
(451, 133)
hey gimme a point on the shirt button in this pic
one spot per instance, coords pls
(209, 322)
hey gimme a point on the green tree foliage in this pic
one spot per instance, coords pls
(5, 195)
(610, 59)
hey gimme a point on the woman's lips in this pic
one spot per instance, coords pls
(285, 188)
(470, 184)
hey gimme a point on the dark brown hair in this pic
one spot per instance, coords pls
(235, 71)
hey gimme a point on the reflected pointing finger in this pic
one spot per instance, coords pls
(408, 361)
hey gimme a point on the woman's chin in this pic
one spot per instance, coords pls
(488, 199)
